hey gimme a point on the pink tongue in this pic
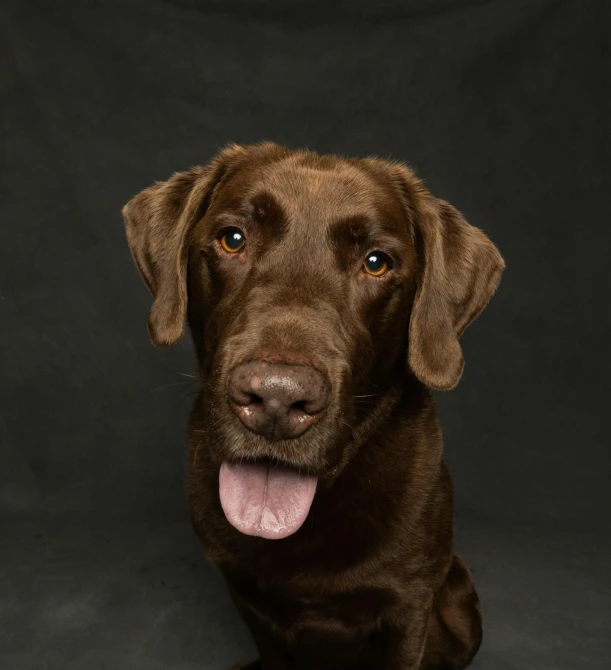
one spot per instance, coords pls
(270, 502)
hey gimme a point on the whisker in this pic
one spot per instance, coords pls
(167, 386)
(192, 393)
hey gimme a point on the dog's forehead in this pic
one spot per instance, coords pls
(320, 193)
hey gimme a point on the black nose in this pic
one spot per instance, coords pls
(276, 400)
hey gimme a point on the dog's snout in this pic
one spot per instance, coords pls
(277, 400)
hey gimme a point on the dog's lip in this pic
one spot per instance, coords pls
(324, 473)
(270, 461)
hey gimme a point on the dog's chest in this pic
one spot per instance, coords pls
(297, 610)
(332, 626)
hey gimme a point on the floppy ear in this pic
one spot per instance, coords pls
(461, 270)
(157, 223)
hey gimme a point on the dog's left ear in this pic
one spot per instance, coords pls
(461, 269)
(157, 223)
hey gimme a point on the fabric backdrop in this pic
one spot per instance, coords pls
(503, 107)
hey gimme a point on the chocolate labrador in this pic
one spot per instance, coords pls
(325, 297)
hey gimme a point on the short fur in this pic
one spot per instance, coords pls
(371, 579)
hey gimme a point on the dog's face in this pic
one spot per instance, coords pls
(300, 278)
(308, 282)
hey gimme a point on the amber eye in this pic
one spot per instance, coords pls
(376, 264)
(232, 241)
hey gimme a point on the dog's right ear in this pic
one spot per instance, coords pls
(157, 223)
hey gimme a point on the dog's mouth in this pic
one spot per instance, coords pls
(264, 499)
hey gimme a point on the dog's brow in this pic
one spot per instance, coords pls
(262, 204)
(362, 232)
(229, 218)
(353, 229)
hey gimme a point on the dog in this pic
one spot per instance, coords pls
(325, 297)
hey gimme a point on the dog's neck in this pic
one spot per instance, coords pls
(404, 399)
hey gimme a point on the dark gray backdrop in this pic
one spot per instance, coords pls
(502, 106)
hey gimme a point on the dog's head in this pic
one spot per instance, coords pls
(312, 285)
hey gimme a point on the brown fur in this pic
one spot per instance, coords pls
(371, 579)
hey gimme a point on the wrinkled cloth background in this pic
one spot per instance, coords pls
(502, 106)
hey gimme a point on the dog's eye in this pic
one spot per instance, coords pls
(232, 241)
(376, 264)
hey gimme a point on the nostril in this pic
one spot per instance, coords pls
(253, 399)
(243, 397)
(316, 403)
